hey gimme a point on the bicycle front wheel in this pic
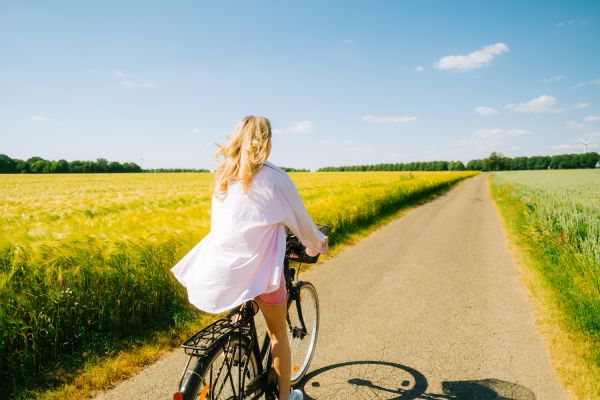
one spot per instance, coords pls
(303, 324)
(224, 373)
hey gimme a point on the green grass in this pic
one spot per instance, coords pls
(555, 217)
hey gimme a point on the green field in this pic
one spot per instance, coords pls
(555, 216)
(85, 259)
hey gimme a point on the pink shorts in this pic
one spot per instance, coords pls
(277, 297)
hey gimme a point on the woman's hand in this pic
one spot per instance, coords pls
(324, 247)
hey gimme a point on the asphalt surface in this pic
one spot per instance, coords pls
(431, 306)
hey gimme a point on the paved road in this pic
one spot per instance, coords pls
(430, 306)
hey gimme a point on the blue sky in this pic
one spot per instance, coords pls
(343, 82)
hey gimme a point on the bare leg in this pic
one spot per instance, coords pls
(280, 347)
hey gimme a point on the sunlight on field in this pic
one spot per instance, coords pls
(39, 209)
(42, 209)
(85, 259)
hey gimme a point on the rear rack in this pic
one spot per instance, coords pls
(237, 322)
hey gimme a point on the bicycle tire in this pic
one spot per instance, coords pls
(209, 378)
(302, 344)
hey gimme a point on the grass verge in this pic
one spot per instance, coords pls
(546, 265)
(105, 372)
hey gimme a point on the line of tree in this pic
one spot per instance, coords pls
(411, 166)
(498, 162)
(495, 162)
(176, 170)
(288, 169)
(37, 165)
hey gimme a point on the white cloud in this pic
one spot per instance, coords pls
(498, 133)
(581, 105)
(325, 142)
(137, 84)
(419, 68)
(592, 82)
(119, 73)
(196, 130)
(489, 136)
(483, 110)
(570, 22)
(555, 78)
(592, 118)
(348, 41)
(542, 104)
(357, 149)
(298, 127)
(370, 119)
(125, 80)
(476, 59)
(41, 119)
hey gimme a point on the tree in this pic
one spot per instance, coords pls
(114, 166)
(63, 166)
(456, 166)
(36, 165)
(77, 166)
(7, 165)
(519, 163)
(101, 165)
(475, 165)
(131, 167)
(589, 160)
(21, 166)
(494, 162)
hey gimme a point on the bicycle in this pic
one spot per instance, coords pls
(229, 363)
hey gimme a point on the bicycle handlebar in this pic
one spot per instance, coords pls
(295, 250)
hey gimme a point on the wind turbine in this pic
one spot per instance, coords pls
(585, 143)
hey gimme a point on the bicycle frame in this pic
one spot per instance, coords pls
(265, 381)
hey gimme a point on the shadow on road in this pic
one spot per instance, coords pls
(387, 380)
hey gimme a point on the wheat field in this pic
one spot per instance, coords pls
(556, 218)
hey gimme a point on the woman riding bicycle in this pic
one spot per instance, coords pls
(242, 256)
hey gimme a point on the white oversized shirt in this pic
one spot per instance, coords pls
(242, 255)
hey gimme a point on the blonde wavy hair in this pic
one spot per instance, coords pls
(248, 148)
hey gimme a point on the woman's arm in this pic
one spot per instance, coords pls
(295, 216)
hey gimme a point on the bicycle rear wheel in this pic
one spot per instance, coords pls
(224, 373)
(303, 324)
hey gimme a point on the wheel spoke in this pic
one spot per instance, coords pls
(220, 379)
(228, 375)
